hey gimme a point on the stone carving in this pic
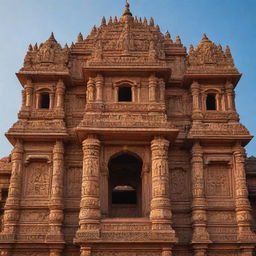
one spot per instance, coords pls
(178, 184)
(73, 182)
(208, 57)
(218, 181)
(34, 216)
(37, 179)
(49, 56)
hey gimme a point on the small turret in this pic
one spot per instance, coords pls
(178, 41)
(80, 38)
(151, 22)
(103, 22)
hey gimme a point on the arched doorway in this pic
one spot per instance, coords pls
(125, 186)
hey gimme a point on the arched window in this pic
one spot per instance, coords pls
(125, 93)
(125, 186)
(44, 100)
(211, 101)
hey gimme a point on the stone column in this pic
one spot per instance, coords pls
(23, 101)
(37, 100)
(11, 213)
(29, 93)
(230, 96)
(152, 88)
(90, 90)
(243, 208)
(195, 91)
(60, 95)
(162, 90)
(160, 215)
(199, 220)
(89, 217)
(56, 201)
(134, 89)
(51, 106)
(99, 87)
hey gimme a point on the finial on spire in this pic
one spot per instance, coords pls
(127, 9)
(52, 38)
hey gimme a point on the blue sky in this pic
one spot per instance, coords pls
(225, 22)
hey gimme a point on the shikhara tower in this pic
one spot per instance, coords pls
(126, 145)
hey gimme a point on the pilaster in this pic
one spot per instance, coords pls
(90, 90)
(152, 88)
(56, 202)
(199, 218)
(243, 208)
(99, 87)
(60, 95)
(29, 93)
(11, 213)
(196, 110)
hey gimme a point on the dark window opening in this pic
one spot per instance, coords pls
(4, 195)
(45, 100)
(211, 102)
(124, 195)
(125, 93)
(125, 186)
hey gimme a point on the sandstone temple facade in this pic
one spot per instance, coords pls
(127, 145)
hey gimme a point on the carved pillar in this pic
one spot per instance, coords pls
(152, 88)
(23, 99)
(160, 215)
(56, 202)
(29, 93)
(11, 213)
(134, 89)
(60, 95)
(243, 208)
(37, 100)
(116, 88)
(162, 90)
(199, 220)
(99, 87)
(89, 217)
(195, 91)
(218, 101)
(51, 100)
(90, 90)
(230, 96)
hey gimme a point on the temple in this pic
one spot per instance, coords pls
(128, 145)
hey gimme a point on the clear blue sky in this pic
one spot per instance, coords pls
(231, 22)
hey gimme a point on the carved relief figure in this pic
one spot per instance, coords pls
(37, 179)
